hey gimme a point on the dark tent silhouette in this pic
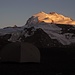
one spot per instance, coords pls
(20, 52)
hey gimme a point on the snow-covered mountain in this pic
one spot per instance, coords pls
(52, 17)
(45, 30)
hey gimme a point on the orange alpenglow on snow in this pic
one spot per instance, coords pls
(53, 17)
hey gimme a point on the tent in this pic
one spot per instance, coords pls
(20, 52)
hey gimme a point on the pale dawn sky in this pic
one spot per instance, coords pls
(18, 11)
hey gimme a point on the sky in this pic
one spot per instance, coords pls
(17, 12)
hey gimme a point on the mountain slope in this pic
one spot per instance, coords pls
(44, 30)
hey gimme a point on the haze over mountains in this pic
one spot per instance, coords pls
(43, 30)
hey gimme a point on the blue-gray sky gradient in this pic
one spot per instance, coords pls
(18, 11)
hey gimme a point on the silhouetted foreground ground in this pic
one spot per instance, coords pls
(54, 61)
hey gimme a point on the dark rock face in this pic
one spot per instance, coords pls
(66, 28)
(6, 37)
(4, 40)
(41, 39)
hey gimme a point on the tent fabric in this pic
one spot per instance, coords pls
(29, 53)
(20, 52)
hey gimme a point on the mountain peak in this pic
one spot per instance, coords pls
(52, 13)
(42, 12)
(53, 17)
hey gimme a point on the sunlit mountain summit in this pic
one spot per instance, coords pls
(52, 17)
